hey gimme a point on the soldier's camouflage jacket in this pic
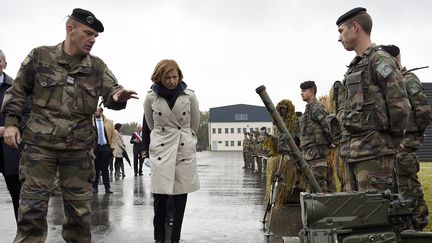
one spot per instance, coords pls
(375, 108)
(421, 115)
(315, 136)
(64, 100)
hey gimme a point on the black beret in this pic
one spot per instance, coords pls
(87, 18)
(307, 85)
(348, 15)
(391, 49)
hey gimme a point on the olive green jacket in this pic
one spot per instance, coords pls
(64, 100)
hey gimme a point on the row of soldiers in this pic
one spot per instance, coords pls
(367, 131)
(254, 151)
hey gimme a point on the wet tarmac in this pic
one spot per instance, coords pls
(228, 208)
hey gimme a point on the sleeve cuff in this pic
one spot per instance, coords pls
(11, 121)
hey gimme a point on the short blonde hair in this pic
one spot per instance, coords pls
(164, 67)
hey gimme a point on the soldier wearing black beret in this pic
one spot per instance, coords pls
(369, 143)
(87, 18)
(315, 137)
(65, 83)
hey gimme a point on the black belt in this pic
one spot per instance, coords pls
(103, 145)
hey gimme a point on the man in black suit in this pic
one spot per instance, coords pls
(136, 140)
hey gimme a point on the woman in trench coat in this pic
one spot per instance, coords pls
(172, 114)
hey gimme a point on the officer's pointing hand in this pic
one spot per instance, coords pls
(124, 95)
(12, 137)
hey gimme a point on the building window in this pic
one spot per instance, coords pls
(251, 129)
(213, 130)
(232, 143)
(238, 130)
(226, 143)
(239, 143)
(219, 130)
(244, 129)
(226, 130)
(241, 117)
(232, 130)
(219, 141)
(269, 130)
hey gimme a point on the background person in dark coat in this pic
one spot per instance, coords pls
(9, 157)
(136, 140)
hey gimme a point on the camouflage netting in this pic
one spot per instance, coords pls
(292, 182)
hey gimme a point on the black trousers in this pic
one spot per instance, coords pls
(103, 157)
(136, 159)
(161, 213)
(14, 187)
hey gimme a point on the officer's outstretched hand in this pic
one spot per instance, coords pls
(124, 95)
(12, 136)
(282, 145)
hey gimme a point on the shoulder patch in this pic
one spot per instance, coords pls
(384, 69)
(26, 61)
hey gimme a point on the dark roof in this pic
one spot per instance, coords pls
(239, 113)
(425, 151)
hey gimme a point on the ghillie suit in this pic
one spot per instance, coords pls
(292, 181)
(332, 152)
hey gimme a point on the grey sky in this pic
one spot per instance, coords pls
(226, 48)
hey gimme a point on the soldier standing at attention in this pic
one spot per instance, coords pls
(245, 150)
(315, 137)
(407, 163)
(375, 109)
(65, 83)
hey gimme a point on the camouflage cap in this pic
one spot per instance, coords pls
(87, 18)
(391, 49)
(348, 15)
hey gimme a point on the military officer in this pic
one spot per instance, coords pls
(375, 108)
(407, 163)
(315, 137)
(65, 83)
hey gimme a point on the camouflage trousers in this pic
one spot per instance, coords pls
(370, 175)
(406, 169)
(245, 159)
(319, 171)
(38, 168)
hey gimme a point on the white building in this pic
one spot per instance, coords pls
(227, 125)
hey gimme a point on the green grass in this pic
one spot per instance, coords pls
(426, 181)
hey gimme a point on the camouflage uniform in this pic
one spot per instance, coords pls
(407, 164)
(59, 135)
(245, 152)
(315, 139)
(373, 118)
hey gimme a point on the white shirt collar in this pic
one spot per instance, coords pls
(2, 78)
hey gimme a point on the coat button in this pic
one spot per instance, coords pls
(162, 144)
(178, 127)
(163, 128)
(160, 113)
(159, 158)
(182, 144)
(184, 113)
(183, 159)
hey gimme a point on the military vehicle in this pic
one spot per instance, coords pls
(355, 217)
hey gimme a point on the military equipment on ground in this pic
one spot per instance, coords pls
(274, 190)
(295, 152)
(357, 217)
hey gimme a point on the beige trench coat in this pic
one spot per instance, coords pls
(173, 143)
